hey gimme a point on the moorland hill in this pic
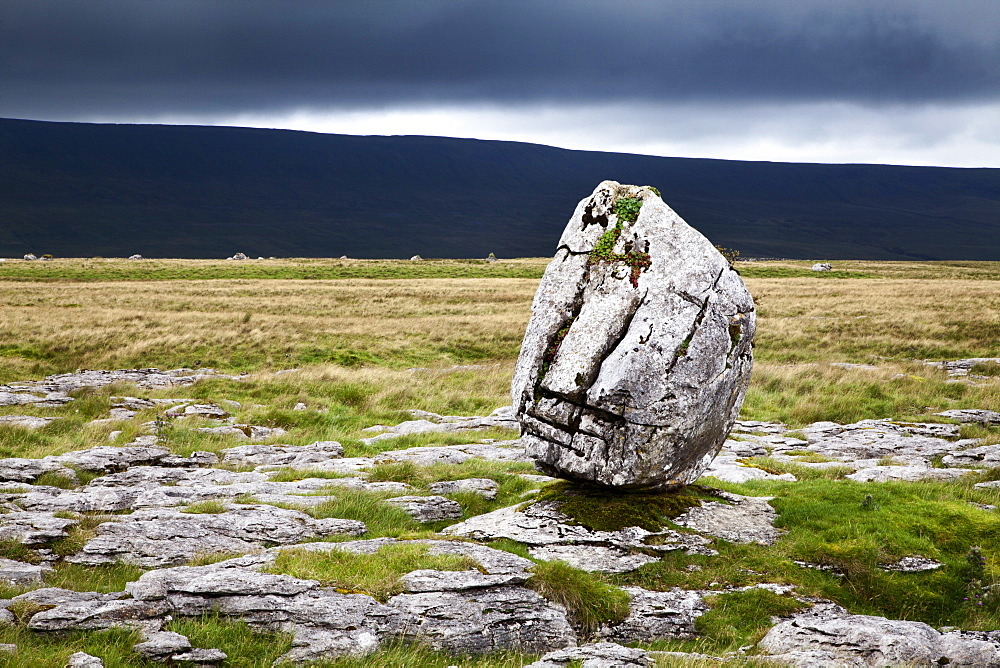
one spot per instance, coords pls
(79, 190)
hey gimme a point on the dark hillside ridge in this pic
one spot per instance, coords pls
(80, 190)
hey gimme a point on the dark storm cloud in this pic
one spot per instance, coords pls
(76, 57)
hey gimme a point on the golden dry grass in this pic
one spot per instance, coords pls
(387, 325)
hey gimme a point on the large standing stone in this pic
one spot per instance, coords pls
(638, 353)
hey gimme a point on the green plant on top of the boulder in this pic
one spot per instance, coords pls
(627, 209)
(654, 190)
(589, 600)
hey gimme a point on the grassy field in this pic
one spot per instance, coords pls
(372, 339)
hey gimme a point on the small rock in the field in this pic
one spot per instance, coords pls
(135, 257)
(415, 258)
(910, 473)
(108, 458)
(744, 519)
(201, 657)
(658, 615)
(913, 565)
(160, 537)
(295, 456)
(638, 353)
(32, 528)
(19, 469)
(727, 469)
(822, 266)
(541, 524)
(19, 574)
(11, 648)
(199, 410)
(239, 256)
(299, 407)
(84, 660)
(428, 508)
(160, 645)
(596, 655)
(484, 487)
(976, 415)
(963, 367)
(247, 431)
(593, 557)
(500, 451)
(26, 421)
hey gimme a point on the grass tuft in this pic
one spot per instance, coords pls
(377, 575)
(588, 599)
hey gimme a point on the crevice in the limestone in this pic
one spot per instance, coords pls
(682, 348)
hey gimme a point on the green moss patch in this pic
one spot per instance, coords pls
(603, 509)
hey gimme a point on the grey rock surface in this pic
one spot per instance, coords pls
(596, 655)
(295, 456)
(473, 611)
(652, 367)
(910, 473)
(26, 421)
(84, 660)
(594, 557)
(743, 519)
(162, 644)
(428, 508)
(484, 487)
(18, 469)
(822, 266)
(658, 615)
(161, 537)
(541, 524)
(832, 637)
(19, 574)
(980, 416)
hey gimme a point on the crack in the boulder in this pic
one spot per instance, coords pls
(682, 348)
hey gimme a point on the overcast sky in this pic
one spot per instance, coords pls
(879, 81)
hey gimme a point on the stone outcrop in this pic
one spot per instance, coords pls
(167, 537)
(638, 353)
(827, 635)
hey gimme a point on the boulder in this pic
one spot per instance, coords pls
(822, 266)
(84, 660)
(30, 256)
(638, 353)
(135, 257)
